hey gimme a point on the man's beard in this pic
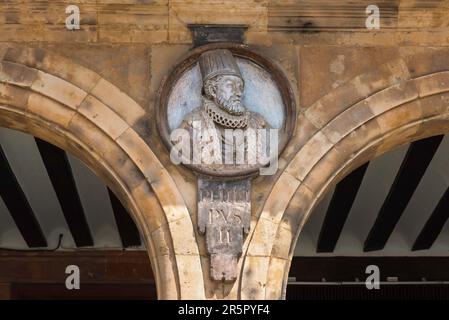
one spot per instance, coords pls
(233, 105)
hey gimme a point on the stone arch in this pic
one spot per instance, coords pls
(342, 133)
(76, 109)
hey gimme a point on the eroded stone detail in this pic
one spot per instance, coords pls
(224, 214)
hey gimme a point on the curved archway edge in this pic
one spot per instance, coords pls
(409, 110)
(76, 109)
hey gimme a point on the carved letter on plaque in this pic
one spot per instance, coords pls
(224, 215)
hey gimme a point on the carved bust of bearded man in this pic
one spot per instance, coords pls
(222, 106)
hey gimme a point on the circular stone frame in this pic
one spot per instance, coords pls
(240, 51)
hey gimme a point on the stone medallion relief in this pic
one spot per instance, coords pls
(226, 113)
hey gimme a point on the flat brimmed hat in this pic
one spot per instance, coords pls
(218, 62)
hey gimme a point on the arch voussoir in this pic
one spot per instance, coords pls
(357, 133)
(42, 103)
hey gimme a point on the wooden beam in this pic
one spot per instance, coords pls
(61, 176)
(133, 266)
(128, 231)
(5, 291)
(346, 269)
(106, 291)
(351, 292)
(96, 266)
(18, 206)
(103, 275)
(339, 208)
(434, 224)
(418, 157)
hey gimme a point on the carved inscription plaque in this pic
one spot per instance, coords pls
(224, 214)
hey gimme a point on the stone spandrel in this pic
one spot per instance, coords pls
(224, 213)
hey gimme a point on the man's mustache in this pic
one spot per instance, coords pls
(233, 105)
